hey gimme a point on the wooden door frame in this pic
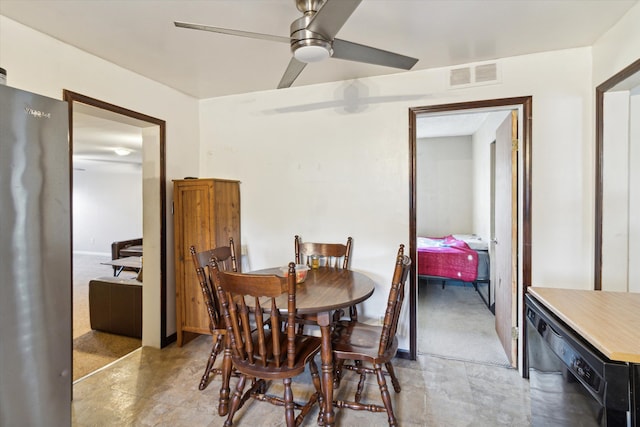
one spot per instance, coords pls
(72, 97)
(526, 103)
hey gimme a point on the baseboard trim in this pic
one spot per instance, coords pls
(404, 354)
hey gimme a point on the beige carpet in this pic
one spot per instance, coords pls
(454, 323)
(93, 349)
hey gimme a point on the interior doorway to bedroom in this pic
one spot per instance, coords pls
(455, 167)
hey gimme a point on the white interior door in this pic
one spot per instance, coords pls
(505, 237)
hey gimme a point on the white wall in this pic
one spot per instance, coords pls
(41, 64)
(621, 192)
(617, 48)
(615, 189)
(614, 51)
(325, 172)
(107, 207)
(444, 190)
(634, 192)
(482, 140)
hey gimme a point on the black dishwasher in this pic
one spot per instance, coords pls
(571, 382)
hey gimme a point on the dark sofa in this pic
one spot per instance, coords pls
(115, 306)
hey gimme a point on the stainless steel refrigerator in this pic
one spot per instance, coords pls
(35, 261)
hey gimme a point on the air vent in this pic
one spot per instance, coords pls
(480, 74)
(486, 73)
(460, 76)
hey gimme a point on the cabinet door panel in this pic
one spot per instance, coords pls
(206, 214)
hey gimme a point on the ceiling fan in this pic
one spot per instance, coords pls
(313, 39)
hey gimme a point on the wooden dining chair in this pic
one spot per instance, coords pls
(263, 346)
(330, 254)
(372, 347)
(226, 257)
(334, 255)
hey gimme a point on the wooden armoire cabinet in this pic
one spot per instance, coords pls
(206, 213)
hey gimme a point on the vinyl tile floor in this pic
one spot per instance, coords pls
(152, 387)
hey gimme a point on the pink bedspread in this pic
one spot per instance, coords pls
(447, 257)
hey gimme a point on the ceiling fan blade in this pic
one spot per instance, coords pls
(230, 32)
(357, 52)
(332, 16)
(292, 72)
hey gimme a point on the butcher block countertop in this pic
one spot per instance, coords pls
(610, 321)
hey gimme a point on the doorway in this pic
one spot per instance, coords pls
(153, 202)
(107, 207)
(521, 249)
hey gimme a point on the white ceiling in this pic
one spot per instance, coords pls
(139, 35)
(443, 125)
(97, 133)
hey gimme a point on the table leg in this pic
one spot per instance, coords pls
(324, 321)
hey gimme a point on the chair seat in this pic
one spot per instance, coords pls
(359, 341)
(306, 348)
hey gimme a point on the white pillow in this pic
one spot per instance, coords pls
(474, 241)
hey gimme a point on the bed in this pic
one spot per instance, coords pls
(461, 257)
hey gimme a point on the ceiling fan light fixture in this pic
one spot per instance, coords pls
(311, 50)
(311, 54)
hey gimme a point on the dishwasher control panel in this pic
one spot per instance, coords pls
(581, 369)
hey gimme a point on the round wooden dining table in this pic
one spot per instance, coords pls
(325, 290)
